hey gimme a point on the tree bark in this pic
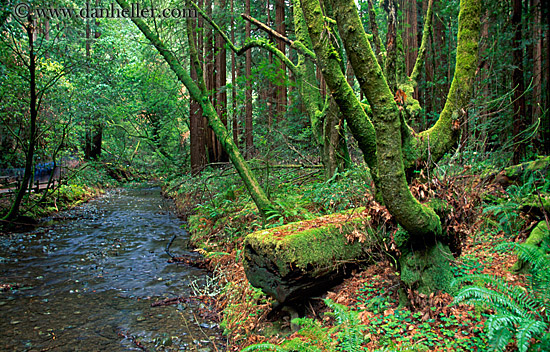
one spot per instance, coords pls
(411, 34)
(426, 261)
(281, 85)
(196, 126)
(546, 120)
(326, 123)
(33, 130)
(517, 84)
(391, 46)
(235, 114)
(249, 141)
(336, 81)
(221, 81)
(378, 46)
(537, 63)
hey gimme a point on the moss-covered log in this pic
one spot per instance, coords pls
(522, 172)
(297, 260)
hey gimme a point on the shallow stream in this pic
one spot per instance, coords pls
(85, 281)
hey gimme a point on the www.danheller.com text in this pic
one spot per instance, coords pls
(112, 11)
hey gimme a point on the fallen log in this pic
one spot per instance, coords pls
(521, 172)
(295, 261)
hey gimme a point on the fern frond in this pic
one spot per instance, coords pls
(515, 293)
(351, 335)
(500, 340)
(501, 321)
(526, 330)
(528, 253)
(494, 299)
(264, 347)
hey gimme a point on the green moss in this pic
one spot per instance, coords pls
(427, 270)
(401, 237)
(312, 250)
(528, 168)
(538, 234)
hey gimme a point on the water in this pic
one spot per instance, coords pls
(86, 280)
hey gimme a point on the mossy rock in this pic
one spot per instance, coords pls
(294, 261)
(537, 236)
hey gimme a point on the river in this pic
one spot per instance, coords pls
(85, 280)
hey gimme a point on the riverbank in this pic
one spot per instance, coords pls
(78, 186)
(98, 277)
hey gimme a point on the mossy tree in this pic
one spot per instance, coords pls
(424, 261)
(328, 133)
(197, 91)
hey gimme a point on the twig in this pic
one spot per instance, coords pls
(168, 246)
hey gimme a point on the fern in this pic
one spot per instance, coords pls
(264, 347)
(351, 330)
(518, 315)
(349, 334)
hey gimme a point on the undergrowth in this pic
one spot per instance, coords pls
(365, 313)
(520, 313)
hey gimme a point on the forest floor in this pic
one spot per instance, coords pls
(484, 214)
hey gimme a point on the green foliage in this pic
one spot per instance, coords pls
(263, 347)
(349, 327)
(346, 336)
(344, 190)
(376, 301)
(507, 210)
(469, 264)
(519, 313)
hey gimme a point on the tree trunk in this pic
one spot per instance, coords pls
(484, 82)
(546, 120)
(33, 131)
(391, 46)
(248, 96)
(210, 80)
(327, 124)
(425, 266)
(440, 42)
(281, 85)
(428, 93)
(518, 85)
(235, 114)
(378, 46)
(221, 81)
(336, 81)
(196, 125)
(95, 152)
(537, 64)
(410, 34)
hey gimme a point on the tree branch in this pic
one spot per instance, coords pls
(295, 44)
(260, 43)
